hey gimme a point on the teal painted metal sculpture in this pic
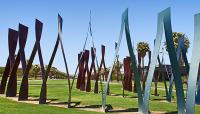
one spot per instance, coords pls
(125, 25)
(164, 21)
(194, 66)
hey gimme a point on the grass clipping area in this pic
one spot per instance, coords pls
(86, 103)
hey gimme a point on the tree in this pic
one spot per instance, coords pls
(176, 37)
(36, 70)
(54, 72)
(116, 70)
(142, 49)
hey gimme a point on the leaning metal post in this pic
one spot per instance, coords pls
(12, 43)
(12, 83)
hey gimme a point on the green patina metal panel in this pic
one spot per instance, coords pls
(164, 21)
(194, 66)
(125, 25)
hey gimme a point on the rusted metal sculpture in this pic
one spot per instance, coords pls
(23, 93)
(102, 64)
(80, 63)
(12, 83)
(79, 73)
(85, 69)
(12, 43)
(38, 33)
(88, 83)
(128, 74)
(93, 67)
(125, 73)
(43, 92)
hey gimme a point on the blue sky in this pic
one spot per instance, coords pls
(106, 18)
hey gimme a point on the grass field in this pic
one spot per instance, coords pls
(57, 91)
(12, 107)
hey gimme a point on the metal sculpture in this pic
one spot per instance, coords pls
(118, 73)
(125, 25)
(161, 65)
(88, 83)
(142, 67)
(127, 82)
(147, 70)
(12, 43)
(37, 48)
(139, 70)
(84, 70)
(81, 69)
(102, 64)
(197, 98)
(93, 67)
(89, 33)
(194, 66)
(12, 83)
(43, 91)
(181, 51)
(164, 21)
(23, 93)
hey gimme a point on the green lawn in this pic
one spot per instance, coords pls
(58, 91)
(12, 107)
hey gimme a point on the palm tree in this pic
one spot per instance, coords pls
(142, 49)
(176, 37)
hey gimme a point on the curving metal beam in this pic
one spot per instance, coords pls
(164, 21)
(43, 92)
(23, 93)
(12, 43)
(194, 67)
(125, 25)
(12, 83)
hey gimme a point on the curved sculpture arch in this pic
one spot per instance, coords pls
(164, 21)
(125, 25)
(194, 66)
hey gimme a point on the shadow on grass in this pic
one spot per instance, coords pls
(73, 104)
(155, 94)
(136, 110)
(48, 100)
(123, 110)
(34, 96)
(132, 97)
(118, 95)
(173, 112)
(159, 99)
(88, 106)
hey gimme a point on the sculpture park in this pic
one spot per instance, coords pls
(53, 68)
